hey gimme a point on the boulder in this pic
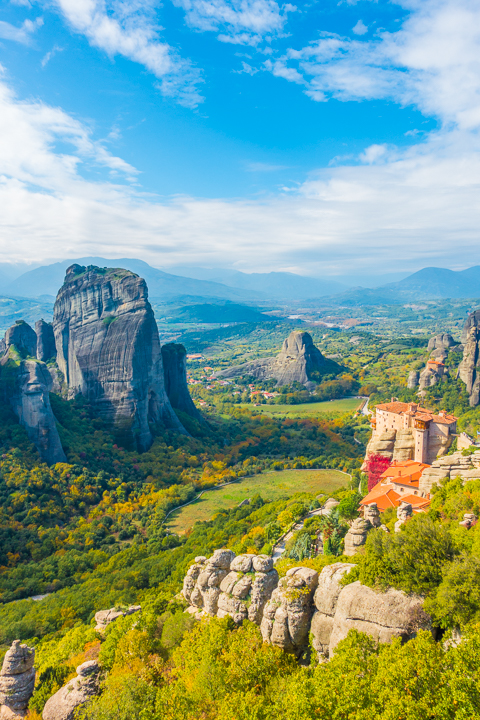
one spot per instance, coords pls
(371, 514)
(263, 585)
(242, 563)
(65, 703)
(17, 680)
(287, 615)
(108, 350)
(450, 466)
(356, 536)
(298, 361)
(383, 616)
(103, 618)
(330, 504)
(325, 600)
(469, 520)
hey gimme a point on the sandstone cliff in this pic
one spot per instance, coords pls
(25, 384)
(175, 371)
(302, 603)
(468, 368)
(298, 361)
(108, 350)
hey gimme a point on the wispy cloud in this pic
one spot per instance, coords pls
(360, 28)
(48, 56)
(243, 22)
(22, 34)
(130, 29)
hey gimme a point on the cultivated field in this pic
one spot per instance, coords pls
(309, 409)
(270, 485)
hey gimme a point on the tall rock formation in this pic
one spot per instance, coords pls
(45, 341)
(175, 371)
(108, 350)
(298, 361)
(26, 383)
(17, 680)
(439, 345)
(468, 368)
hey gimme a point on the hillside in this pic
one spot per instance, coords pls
(220, 313)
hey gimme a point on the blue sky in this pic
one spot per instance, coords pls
(327, 138)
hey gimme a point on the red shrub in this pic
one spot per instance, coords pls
(376, 465)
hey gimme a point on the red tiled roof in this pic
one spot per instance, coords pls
(418, 503)
(384, 495)
(400, 408)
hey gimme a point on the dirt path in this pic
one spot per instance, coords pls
(279, 548)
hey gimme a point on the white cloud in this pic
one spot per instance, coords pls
(360, 28)
(432, 61)
(244, 22)
(48, 56)
(22, 34)
(129, 28)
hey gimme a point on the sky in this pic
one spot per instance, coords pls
(325, 138)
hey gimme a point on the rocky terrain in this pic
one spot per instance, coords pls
(175, 371)
(450, 466)
(298, 361)
(64, 704)
(468, 368)
(302, 602)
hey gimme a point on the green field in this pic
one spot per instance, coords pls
(309, 409)
(270, 485)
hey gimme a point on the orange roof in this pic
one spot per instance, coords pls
(400, 408)
(435, 362)
(404, 472)
(418, 503)
(383, 495)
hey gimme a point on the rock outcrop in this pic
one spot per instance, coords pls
(468, 368)
(64, 704)
(326, 599)
(26, 384)
(228, 585)
(174, 358)
(383, 615)
(17, 680)
(45, 341)
(412, 381)
(404, 513)
(455, 465)
(439, 345)
(303, 601)
(103, 618)
(356, 536)
(298, 361)
(287, 615)
(108, 350)
(22, 338)
(382, 443)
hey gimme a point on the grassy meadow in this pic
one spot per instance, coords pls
(344, 405)
(271, 485)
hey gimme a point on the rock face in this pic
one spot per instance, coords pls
(383, 616)
(228, 585)
(412, 380)
(450, 466)
(63, 705)
(287, 615)
(440, 344)
(382, 444)
(468, 368)
(175, 370)
(103, 618)
(45, 341)
(288, 609)
(23, 338)
(298, 361)
(26, 385)
(404, 446)
(17, 680)
(108, 350)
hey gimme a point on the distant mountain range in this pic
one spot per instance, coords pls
(427, 284)
(188, 285)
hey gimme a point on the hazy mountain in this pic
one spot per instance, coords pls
(226, 313)
(47, 279)
(429, 283)
(18, 308)
(278, 285)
